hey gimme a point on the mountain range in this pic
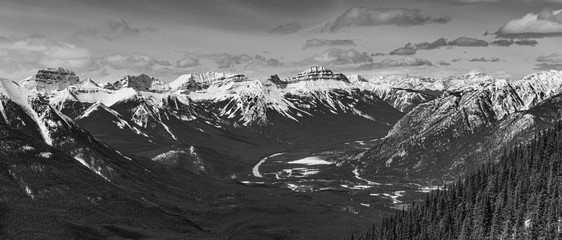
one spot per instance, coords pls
(113, 150)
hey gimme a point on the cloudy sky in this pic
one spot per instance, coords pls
(107, 39)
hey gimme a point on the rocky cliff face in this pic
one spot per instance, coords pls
(50, 79)
(29, 113)
(141, 82)
(317, 73)
(447, 123)
(403, 93)
(203, 81)
(434, 135)
(225, 112)
(403, 100)
(316, 91)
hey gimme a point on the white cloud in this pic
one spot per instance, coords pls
(187, 62)
(23, 56)
(137, 62)
(390, 63)
(109, 68)
(113, 31)
(483, 59)
(546, 23)
(112, 67)
(339, 56)
(230, 61)
(409, 49)
(362, 17)
(319, 43)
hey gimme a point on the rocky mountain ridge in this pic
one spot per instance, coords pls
(223, 112)
(444, 119)
(141, 82)
(156, 144)
(448, 132)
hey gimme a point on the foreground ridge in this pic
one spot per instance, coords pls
(518, 197)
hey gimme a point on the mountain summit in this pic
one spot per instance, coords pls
(317, 73)
(141, 82)
(50, 79)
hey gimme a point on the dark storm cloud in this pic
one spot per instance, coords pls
(377, 54)
(549, 62)
(482, 59)
(114, 31)
(409, 49)
(509, 42)
(468, 42)
(388, 63)
(286, 28)
(526, 42)
(442, 42)
(502, 43)
(547, 23)
(365, 17)
(318, 43)
(478, 59)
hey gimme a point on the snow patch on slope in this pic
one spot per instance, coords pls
(20, 96)
(96, 170)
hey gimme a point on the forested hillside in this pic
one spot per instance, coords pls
(517, 198)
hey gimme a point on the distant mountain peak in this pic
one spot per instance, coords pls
(355, 78)
(89, 82)
(317, 73)
(141, 82)
(203, 81)
(50, 79)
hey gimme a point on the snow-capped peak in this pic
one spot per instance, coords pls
(89, 83)
(355, 78)
(141, 82)
(50, 79)
(203, 81)
(20, 96)
(317, 73)
(88, 92)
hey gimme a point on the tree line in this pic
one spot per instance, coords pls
(518, 197)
